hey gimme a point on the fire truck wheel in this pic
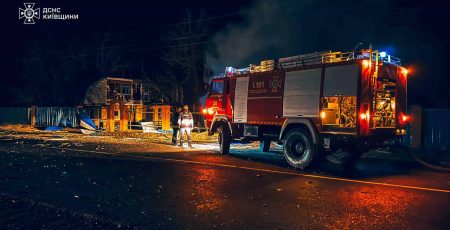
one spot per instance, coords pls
(264, 145)
(224, 139)
(344, 157)
(299, 150)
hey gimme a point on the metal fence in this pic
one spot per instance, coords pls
(56, 116)
(67, 116)
(436, 128)
(14, 115)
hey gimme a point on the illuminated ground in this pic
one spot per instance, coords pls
(60, 180)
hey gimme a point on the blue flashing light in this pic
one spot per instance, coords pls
(230, 71)
(383, 54)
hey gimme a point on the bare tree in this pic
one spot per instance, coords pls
(106, 59)
(185, 57)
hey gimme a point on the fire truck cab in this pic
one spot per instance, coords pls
(325, 105)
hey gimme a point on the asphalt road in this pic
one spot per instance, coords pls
(80, 187)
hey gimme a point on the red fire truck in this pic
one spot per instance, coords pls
(324, 105)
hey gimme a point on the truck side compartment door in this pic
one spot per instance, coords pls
(240, 100)
(302, 93)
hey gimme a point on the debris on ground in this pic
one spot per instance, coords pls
(86, 123)
(132, 140)
(70, 137)
(53, 128)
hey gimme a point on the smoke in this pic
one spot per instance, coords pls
(269, 29)
(274, 29)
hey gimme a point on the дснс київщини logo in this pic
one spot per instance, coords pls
(48, 13)
(29, 13)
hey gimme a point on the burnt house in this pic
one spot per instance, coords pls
(129, 91)
(120, 103)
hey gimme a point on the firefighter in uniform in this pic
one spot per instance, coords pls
(186, 123)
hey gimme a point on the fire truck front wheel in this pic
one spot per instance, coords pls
(299, 150)
(224, 139)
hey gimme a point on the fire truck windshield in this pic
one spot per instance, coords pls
(217, 87)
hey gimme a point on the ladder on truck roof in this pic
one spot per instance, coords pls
(314, 58)
(309, 59)
(291, 62)
(332, 57)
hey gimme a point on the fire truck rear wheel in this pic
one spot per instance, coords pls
(224, 139)
(299, 150)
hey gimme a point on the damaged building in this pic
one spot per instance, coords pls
(121, 104)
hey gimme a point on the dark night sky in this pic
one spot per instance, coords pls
(415, 31)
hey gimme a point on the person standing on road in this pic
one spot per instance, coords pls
(186, 123)
(175, 126)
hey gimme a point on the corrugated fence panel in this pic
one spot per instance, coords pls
(436, 128)
(56, 116)
(14, 115)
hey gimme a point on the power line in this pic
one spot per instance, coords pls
(137, 49)
(194, 21)
(173, 39)
(153, 27)
(158, 47)
(129, 45)
(118, 52)
(149, 48)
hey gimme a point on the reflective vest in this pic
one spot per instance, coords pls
(186, 120)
